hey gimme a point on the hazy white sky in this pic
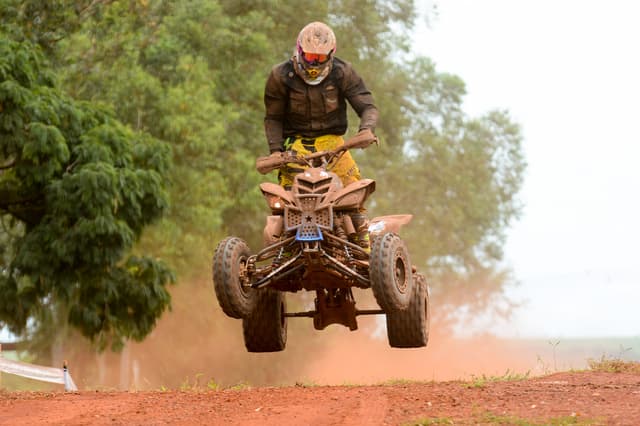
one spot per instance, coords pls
(569, 72)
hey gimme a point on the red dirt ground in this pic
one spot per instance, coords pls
(562, 398)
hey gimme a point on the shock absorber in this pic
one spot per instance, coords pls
(339, 228)
(279, 256)
(361, 225)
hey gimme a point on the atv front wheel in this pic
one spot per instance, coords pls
(265, 330)
(229, 272)
(390, 273)
(410, 328)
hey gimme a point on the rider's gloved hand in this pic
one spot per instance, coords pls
(290, 156)
(283, 156)
(367, 137)
(271, 162)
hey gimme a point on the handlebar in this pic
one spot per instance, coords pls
(269, 163)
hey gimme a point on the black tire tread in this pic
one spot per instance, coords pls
(382, 276)
(265, 330)
(410, 328)
(232, 300)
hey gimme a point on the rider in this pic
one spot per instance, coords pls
(305, 103)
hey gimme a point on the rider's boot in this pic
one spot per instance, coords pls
(361, 225)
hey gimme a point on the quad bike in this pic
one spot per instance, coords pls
(317, 239)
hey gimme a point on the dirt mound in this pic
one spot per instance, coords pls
(562, 398)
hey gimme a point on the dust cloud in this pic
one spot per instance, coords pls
(195, 346)
(362, 359)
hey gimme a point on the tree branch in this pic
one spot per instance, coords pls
(9, 164)
(28, 209)
(10, 197)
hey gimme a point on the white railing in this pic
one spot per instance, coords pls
(37, 372)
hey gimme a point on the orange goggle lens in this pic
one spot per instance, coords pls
(315, 58)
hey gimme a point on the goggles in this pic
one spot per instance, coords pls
(314, 58)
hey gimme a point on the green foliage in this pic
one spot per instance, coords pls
(43, 22)
(186, 73)
(84, 186)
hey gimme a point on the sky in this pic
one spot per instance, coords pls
(569, 73)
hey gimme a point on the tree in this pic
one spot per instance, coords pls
(77, 188)
(186, 73)
(459, 176)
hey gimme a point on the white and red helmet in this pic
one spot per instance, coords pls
(315, 47)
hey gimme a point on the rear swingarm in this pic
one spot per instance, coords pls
(334, 306)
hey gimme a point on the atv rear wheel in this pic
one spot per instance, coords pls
(265, 330)
(390, 273)
(410, 328)
(229, 273)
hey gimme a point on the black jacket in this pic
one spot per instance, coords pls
(295, 108)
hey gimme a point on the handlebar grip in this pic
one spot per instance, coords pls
(360, 140)
(266, 164)
(272, 162)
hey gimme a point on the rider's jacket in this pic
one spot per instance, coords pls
(295, 108)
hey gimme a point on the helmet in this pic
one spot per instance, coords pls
(314, 52)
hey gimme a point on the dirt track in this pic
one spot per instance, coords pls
(561, 398)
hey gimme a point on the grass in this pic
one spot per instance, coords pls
(400, 382)
(187, 385)
(481, 381)
(239, 386)
(603, 364)
(489, 418)
(197, 385)
(613, 365)
(306, 384)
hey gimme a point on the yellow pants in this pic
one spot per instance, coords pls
(346, 168)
